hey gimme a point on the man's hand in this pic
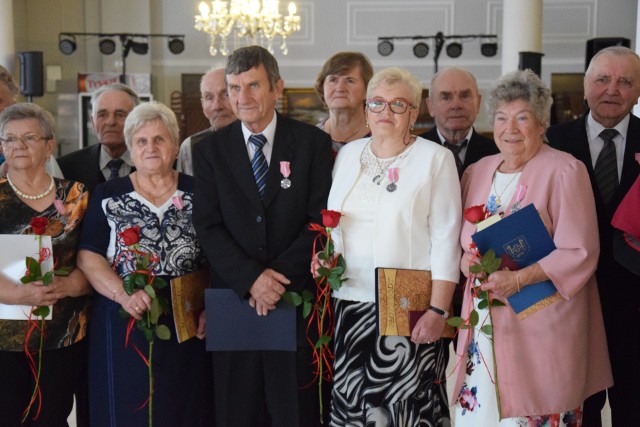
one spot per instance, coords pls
(267, 290)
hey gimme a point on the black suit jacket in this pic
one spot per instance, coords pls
(614, 281)
(477, 148)
(84, 166)
(243, 235)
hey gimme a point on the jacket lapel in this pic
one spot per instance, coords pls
(240, 165)
(283, 150)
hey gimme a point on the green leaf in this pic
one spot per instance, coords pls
(483, 304)
(150, 291)
(323, 340)
(329, 248)
(154, 311)
(64, 271)
(335, 282)
(323, 271)
(129, 284)
(483, 294)
(474, 318)
(140, 280)
(322, 255)
(337, 270)
(47, 278)
(42, 311)
(163, 332)
(159, 283)
(476, 269)
(465, 326)
(307, 295)
(29, 278)
(455, 321)
(487, 330)
(33, 267)
(144, 262)
(148, 334)
(497, 303)
(306, 309)
(292, 298)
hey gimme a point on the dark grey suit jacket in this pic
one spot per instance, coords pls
(83, 166)
(477, 148)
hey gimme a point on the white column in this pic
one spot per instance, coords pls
(521, 31)
(7, 43)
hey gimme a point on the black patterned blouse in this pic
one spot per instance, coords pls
(69, 317)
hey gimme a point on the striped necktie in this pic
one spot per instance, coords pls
(456, 149)
(259, 162)
(606, 168)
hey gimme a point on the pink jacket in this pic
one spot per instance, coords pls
(554, 359)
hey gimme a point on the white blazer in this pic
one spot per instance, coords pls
(418, 225)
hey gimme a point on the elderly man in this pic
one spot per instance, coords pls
(254, 231)
(216, 108)
(606, 140)
(454, 103)
(110, 106)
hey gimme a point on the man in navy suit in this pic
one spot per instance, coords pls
(611, 89)
(454, 104)
(110, 106)
(255, 234)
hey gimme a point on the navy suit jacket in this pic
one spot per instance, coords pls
(477, 148)
(243, 235)
(614, 281)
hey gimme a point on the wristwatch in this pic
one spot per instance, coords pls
(441, 312)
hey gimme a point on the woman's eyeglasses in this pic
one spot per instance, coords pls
(397, 106)
(29, 140)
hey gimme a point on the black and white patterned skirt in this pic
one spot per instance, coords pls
(384, 381)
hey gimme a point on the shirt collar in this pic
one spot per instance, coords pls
(468, 137)
(594, 128)
(106, 158)
(269, 132)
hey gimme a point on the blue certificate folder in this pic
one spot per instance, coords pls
(523, 240)
(233, 325)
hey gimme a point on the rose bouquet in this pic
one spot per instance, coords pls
(34, 272)
(142, 276)
(328, 267)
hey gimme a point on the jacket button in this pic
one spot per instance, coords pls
(258, 218)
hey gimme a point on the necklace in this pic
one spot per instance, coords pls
(379, 167)
(149, 195)
(495, 191)
(29, 197)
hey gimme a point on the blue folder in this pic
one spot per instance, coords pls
(233, 325)
(523, 239)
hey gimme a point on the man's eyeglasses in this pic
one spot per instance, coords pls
(29, 140)
(397, 106)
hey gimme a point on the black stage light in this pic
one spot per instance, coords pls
(454, 49)
(107, 46)
(489, 49)
(176, 45)
(420, 49)
(385, 47)
(67, 45)
(141, 48)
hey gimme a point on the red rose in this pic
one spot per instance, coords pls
(474, 214)
(130, 236)
(330, 219)
(39, 225)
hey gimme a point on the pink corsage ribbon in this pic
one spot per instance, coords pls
(285, 169)
(177, 202)
(392, 174)
(59, 205)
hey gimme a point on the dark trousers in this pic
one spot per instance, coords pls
(622, 323)
(267, 389)
(58, 378)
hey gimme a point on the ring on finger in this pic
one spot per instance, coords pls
(137, 308)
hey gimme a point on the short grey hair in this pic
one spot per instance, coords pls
(7, 79)
(245, 58)
(117, 87)
(209, 71)
(522, 85)
(149, 112)
(395, 75)
(25, 111)
(617, 51)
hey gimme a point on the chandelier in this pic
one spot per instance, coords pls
(255, 21)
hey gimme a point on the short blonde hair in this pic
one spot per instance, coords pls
(395, 75)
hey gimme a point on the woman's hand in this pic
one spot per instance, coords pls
(201, 331)
(429, 328)
(135, 304)
(36, 294)
(465, 262)
(73, 285)
(502, 283)
(316, 263)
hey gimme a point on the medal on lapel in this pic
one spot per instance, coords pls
(285, 170)
(392, 174)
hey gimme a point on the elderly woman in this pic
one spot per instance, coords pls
(399, 195)
(550, 361)
(158, 200)
(28, 192)
(8, 93)
(341, 85)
